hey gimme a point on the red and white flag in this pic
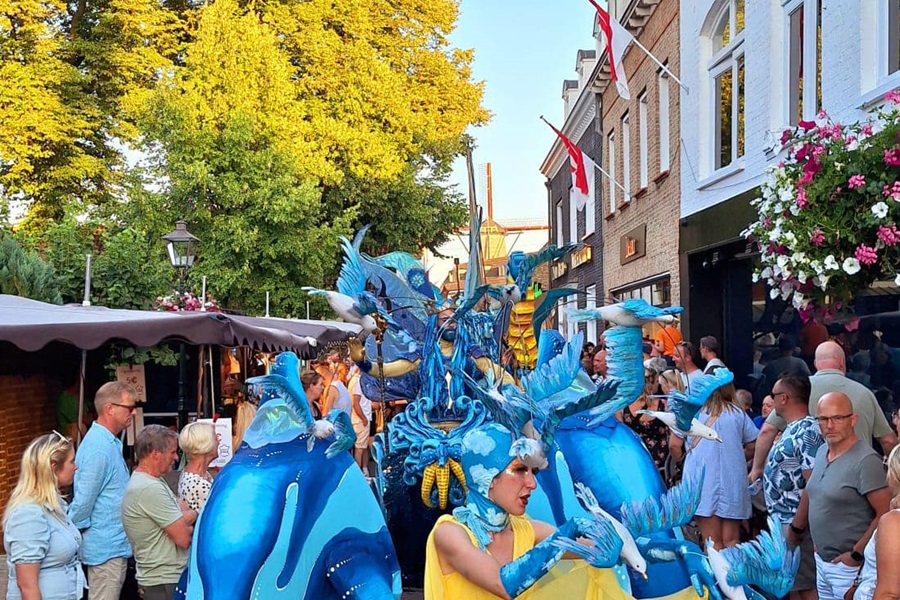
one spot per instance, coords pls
(582, 168)
(616, 39)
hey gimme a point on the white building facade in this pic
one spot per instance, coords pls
(752, 69)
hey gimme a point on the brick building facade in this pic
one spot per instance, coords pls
(641, 141)
(582, 269)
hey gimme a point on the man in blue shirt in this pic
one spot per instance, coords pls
(789, 466)
(99, 487)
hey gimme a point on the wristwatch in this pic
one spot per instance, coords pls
(797, 530)
(856, 556)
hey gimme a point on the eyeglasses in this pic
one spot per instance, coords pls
(837, 419)
(128, 407)
(776, 394)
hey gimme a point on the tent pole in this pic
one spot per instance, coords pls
(81, 379)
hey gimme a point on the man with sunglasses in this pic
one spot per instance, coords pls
(99, 487)
(843, 500)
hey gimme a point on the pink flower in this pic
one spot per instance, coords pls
(856, 181)
(889, 235)
(802, 202)
(785, 136)
(866, 255)
(822, 114)
(807, 125)
(817, 238)
(892, 191)
(892, 96)
(866, 129)
(892, 158)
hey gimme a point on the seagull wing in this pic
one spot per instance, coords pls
(533, 259)
(764, 562)
(642, 310)
(344, 435)
(673, 509)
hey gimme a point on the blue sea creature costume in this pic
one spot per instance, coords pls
(291, 515)
(444, 356)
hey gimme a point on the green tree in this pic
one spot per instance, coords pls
(23, 273)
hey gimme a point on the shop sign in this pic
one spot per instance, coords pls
(558, 269)
(133, 375)
(633, 245)
(223, 440)
(581, 257)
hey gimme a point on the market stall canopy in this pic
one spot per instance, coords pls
(323, 332)
(31, 325)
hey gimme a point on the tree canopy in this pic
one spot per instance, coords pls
(270, 127)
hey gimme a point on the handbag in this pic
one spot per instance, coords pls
(848, 595)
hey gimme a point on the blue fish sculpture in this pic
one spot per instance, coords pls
(287, 519)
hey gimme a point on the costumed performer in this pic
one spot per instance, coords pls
(489, 549)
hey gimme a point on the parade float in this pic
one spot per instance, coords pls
(289, 516)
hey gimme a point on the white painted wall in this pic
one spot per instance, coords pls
(854, 42)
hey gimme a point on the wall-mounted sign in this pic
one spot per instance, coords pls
(558, 269)
(581, 256)
(633, 244)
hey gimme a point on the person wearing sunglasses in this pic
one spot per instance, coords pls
(40, 541)
(843, 500)
(490, 549)
(99, 487)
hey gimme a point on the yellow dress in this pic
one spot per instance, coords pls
(569, 579)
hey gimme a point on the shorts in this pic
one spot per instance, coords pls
(362, 434)
(806, 574)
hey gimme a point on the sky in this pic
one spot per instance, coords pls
(524, 50)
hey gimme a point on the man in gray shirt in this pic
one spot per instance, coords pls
(830, 377)
(843, 500)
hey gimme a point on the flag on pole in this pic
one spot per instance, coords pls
(616, 39)
(582, 168)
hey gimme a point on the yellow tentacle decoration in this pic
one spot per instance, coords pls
(428, 476)
(457, 470)
(443, 485)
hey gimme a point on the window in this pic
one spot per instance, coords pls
(805, 39)
(657, 292)
(642, 140)
(590, 209)
(726, 69)
(663, 81)
(893, 37)
(562, 324)
(590, 334)
(611, 169)
(573, 219)
(559, 224)
(626, 157)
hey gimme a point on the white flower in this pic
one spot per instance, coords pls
(782, 261)
(851, 266)
(766, 273)
(831, 262)
(786, 195)
(798, 257)
(801, 276)
(897, 280)
(816, 266)
(880, 210)
(774, 293)
(853, 145)
(822, 281)
(789, 238)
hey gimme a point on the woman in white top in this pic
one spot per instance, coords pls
(200, 446)
(884, 546)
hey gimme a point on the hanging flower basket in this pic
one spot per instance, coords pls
(175, 302)
(828, 215)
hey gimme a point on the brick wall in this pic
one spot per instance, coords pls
(27, 410)
(659, 205)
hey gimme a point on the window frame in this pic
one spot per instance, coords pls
(573, 218)
(626, 155)
(727, 58)
(590, 334)
(611, 169)
(643, 167)
(664, 125)
(560, 236)
(809, 55)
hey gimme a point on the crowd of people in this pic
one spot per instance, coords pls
(821, 457)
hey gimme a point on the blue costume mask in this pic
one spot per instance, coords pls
(486, 452)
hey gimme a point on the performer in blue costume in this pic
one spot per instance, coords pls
(291, 515)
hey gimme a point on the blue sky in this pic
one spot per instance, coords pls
(523, 51)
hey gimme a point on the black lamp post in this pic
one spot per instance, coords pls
(182, 248)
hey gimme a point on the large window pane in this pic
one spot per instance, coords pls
(740, 108)
(795, 66)
(724, 89)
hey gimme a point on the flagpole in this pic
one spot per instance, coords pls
(662, 66)
(613, 179)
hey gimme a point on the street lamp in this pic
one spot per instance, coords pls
(182, 248)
